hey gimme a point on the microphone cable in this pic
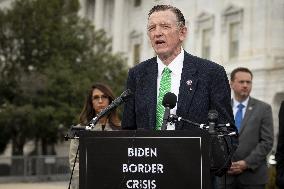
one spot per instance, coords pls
(70, 180)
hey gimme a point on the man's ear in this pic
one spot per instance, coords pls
(183, 33)
(231, 84)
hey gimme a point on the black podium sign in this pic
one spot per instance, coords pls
(144, 159)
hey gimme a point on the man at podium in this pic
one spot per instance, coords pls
(200, 85)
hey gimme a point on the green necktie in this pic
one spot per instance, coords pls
(165, 86)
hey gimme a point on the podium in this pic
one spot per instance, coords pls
(144, 159)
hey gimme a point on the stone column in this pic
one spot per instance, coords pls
(82, 10)
(117, 37)
(99, 16)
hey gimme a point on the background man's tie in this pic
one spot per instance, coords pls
(165, 86)
(239, 116)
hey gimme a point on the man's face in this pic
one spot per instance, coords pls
(241, 85)
(165, 34)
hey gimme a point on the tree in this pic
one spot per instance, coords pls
(49, 57)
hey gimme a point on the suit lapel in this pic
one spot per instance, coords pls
(150, 90)
(248, 113)
(188, 84)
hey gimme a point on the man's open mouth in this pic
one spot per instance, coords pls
(159, 42)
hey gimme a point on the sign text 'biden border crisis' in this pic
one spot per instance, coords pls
(142, 168)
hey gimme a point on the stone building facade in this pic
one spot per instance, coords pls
(247, 33)
(232, 33)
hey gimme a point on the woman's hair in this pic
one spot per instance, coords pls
(88, 111)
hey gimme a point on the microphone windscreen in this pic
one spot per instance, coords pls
(169, 100)
(127, 93)
(213, 115)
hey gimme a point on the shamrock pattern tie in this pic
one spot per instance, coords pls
(165, 86)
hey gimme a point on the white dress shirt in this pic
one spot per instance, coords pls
(176, 67)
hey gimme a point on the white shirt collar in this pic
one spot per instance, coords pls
(175, 66)
(236, 103)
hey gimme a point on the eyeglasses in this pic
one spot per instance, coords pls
(100, 98)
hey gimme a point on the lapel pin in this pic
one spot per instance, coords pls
(189, 82)
(250, 108)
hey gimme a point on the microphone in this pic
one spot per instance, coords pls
(169, 102)
(212, 119)
(118, 101)
(78, 128)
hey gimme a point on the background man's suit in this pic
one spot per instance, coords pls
(203, 86)
(280, 149)
(255, 142)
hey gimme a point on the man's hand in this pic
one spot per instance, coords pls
(237, 167)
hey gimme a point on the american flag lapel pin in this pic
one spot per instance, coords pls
(189, 83)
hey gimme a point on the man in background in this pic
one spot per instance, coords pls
(280, 149)
(253, 119)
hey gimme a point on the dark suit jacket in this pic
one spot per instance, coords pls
(280, 149)
(209, 90)
(255, 142)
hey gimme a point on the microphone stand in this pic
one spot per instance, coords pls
(166, 117)
(220, 134)
(115, 103)
(73, 167)
(219, 128)
(72, 134)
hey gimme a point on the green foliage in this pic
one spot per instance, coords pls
(16, 121)
(49, 58)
